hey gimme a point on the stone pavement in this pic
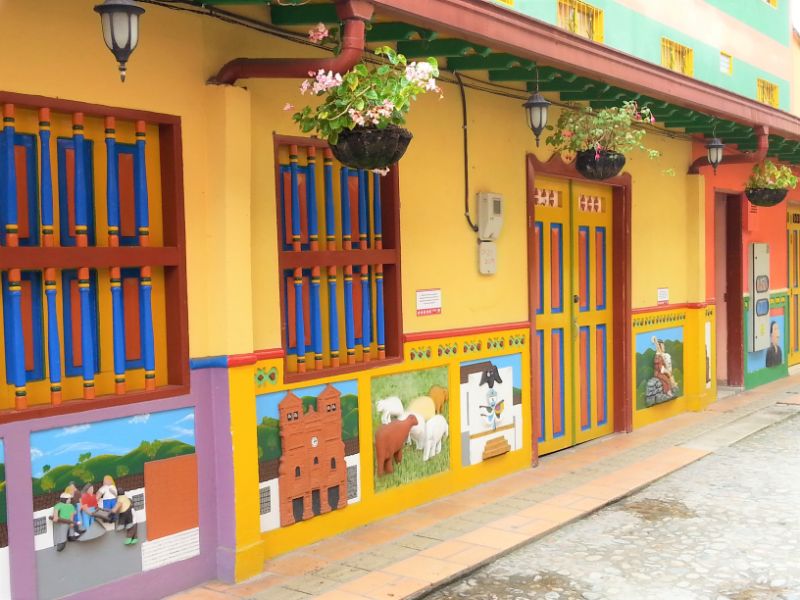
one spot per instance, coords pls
(725, 527)
(410, 554)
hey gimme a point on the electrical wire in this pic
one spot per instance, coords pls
(198, 7)
(466, 151)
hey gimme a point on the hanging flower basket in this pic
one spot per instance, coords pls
(765, 196)
(598, 165)
(370, 147)
(362, 112)
(769, 183)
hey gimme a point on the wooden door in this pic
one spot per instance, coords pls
(573, 307)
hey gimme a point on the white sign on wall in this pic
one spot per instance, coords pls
(429, 302)
(663, 296)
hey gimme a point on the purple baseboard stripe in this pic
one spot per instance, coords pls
(209, 397)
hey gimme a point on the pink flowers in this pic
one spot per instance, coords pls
(567, 133)
(421, 74)
(318, 33)
(373, 115)
(288, 106)
(322, 82)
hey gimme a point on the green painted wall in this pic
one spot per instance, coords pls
(636, 34)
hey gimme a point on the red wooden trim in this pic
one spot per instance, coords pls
(174, 226)
(461, 331)
(307, 259)
(29, 257)
(80, 405)
(270, 353)
(533, 279)
(622, 297)
(340, 370)
(503, 30)
(96, 110)
(663, 307)
(735, 308)
(242, 360)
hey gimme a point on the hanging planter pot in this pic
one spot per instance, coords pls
(765, 197)
(370, 147)
(599, 165)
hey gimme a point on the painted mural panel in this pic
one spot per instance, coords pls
(411, 424)
(308, 452)
(659, 366)
(113, 498)
(5, 574)
(491, 408)
(775, 354)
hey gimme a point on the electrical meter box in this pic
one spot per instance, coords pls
(490, 216)
(759, 297)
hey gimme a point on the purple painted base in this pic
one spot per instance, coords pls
(209, 397)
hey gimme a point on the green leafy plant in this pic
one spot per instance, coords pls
(375, 95)
(614, 129)
(768, 175)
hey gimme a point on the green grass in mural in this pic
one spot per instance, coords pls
(408, 386)
(644, 369)
(94, 468)
(269, 435)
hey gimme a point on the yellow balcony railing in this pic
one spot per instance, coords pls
(676, 57)
(581, 19)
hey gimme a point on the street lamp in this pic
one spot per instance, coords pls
(714, 148)
(536, 110)
(120, 21)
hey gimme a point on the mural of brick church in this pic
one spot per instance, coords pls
(312, 477)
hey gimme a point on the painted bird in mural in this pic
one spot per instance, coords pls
(493, 409)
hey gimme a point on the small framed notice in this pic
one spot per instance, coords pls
(429, 302)
(663, 296)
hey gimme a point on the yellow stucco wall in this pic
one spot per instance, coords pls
(229, 175)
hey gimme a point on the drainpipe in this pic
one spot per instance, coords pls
(353, 14)
(762, 133)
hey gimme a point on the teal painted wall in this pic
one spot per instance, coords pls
(636, 34)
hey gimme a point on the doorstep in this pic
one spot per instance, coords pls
(421, 549)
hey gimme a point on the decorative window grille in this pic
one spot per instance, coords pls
(339, 296)
(581, 19)
(85, 313)
(352, 482)
(39, 525)
(676, 57)
(768, 93)
(725, 63)
(138, 502)
(265, 500)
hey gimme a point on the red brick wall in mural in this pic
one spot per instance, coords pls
(171, 495)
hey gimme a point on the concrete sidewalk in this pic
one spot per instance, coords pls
(416, 551)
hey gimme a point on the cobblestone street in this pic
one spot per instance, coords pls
(725, 527)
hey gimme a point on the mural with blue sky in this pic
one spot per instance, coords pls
(267, 404)
(65, 445)
(511, 360)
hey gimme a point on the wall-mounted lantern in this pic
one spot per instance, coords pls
(536, 111)
(120, 21)
(714, 148)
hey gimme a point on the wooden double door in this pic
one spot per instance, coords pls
(572, 299)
